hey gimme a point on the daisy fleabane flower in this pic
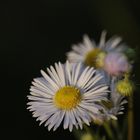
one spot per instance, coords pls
(116, 101)
(111, 109)
(116, 64)
(67, 95)
(92, 54)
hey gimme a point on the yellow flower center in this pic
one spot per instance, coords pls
(67, 97)
(95, 58)
(125, 87)
(100, 60)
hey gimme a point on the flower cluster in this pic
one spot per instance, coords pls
(91, 87)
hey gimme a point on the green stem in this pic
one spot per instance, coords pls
(125, 127)
(108, 130)
(130, 119)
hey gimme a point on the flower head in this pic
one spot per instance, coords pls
(112, 107)
(117, 106)
(66, 95)
(125, 87)
(93, 55)
(116, 64)
(117, 101)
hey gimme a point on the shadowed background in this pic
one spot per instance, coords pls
(35, 34)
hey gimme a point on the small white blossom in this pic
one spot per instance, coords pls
(66, 95)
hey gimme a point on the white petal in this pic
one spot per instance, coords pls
(53, 120)
(62, 113)
(77, 117)
(79, 49)
(52, 83)
(87, 42)
(76, 74)
(41, 81)
(112, 43)
(83, 115)
(52, 116)
(113, 117)
(88, 76)
(41, 91)
(60, 73)
(96, 92)
(82, 76)
(72, 117)
(54, 76)
(89, 107)
(93, 81)
(102, 39)
(43, 119)
(68, 72)
(66, 120)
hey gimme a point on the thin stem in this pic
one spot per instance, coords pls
(125, 127)
(130, 119)
(108, 130)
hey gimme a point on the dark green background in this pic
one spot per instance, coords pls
(35, 34)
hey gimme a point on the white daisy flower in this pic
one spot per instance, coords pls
(118, 105)
(114, 106)
(116, 99)
(67, 95)
(91, 54)
(111, 109)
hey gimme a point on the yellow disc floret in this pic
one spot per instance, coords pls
(95, 58)
(67, 97)
(100, 59)
(125, 87)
